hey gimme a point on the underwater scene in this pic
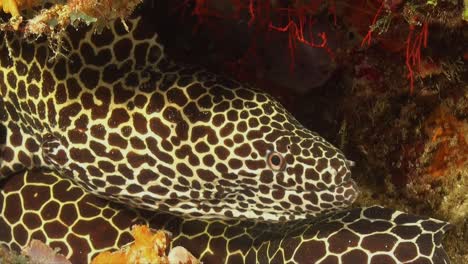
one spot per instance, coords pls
(233, 131)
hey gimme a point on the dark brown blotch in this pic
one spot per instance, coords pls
(221, 152)
(206, 175)
(117, 141)
(147, 176)
(406, 251)
(342, 240)
(243, 150)
(139, 123)
(77, 136)
(122, 49)
(177, 96)
(159, 128)
(136, 160)
(152, 144)
(193, 113)
(137, 143)
(379, 242)
(184, 170)
(98, 131)
(118, 117)
(90, 77)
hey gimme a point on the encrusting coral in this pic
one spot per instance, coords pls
(41, 253)
(147, 248)
(58, 16)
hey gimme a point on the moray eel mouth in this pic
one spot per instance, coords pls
(276, 204)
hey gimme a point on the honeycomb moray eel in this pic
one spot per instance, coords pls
(121, 120)
(112, 114)
(42, 205)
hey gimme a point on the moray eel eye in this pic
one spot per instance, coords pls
(276, 161)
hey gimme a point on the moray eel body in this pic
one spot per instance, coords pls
(65, 216)
(110, 116)
(111, 112)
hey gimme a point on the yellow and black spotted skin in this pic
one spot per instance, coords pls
(42, 205)
(110, 116)
(113, 114)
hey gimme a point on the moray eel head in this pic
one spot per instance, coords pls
(278, 170)
(243, 156)
(240, 156)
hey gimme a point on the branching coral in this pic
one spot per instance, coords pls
(409, 21)
(294, 18)
(418, 15)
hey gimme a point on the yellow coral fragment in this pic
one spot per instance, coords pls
(108, 257)
(10, 6)
(148, 248)
(13, 6)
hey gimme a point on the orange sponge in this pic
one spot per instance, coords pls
(148, 248)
